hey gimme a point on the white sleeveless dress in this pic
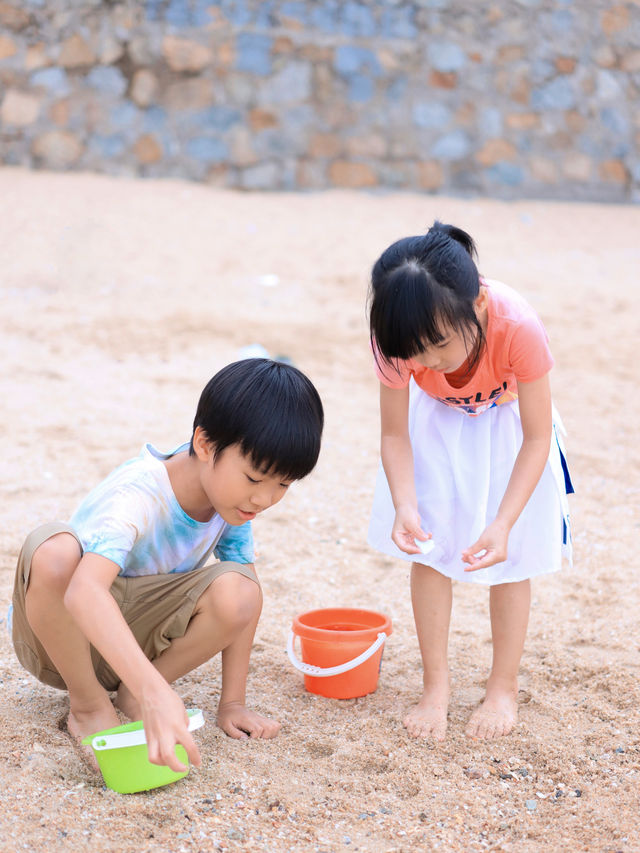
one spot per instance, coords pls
(461, 475)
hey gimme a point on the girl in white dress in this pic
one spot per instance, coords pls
(473, 483)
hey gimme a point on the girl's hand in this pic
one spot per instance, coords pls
(490, 548)
(406, 528)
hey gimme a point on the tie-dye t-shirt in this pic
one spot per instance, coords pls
(517, 350)
(134, 519)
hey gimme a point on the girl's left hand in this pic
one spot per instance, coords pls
(489, 549)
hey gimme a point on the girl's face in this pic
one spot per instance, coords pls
(447, 356)
(452, 352)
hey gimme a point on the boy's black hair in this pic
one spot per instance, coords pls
(419, 287)
(270, 409)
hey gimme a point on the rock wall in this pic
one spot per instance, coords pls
(518, 98)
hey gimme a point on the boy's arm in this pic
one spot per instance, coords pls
(234, 718)
(235, 669)
(98, 616)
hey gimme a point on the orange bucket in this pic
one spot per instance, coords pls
(341, 650)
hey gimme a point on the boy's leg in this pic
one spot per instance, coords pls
(230, 607)
(224, 619)
(431, 598)
(52, 566)
(509, 607)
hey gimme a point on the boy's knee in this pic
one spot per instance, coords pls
(54, 562)
(234, 599)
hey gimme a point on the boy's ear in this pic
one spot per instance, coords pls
(201, 445)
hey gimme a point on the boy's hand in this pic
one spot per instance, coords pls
(407, 527)
(239, 722)
(166, 724)
(489, 549)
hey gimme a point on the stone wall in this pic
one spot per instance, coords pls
(512, 98)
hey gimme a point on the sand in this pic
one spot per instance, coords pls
(120, 298)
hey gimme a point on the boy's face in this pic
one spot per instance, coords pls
(237, 490)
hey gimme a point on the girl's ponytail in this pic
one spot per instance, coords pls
(457, 234)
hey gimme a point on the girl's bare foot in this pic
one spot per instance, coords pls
(428, 719)
(496, 716)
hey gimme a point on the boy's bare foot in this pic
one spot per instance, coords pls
(428, 719)
(80, 724)
(496, 716)
(127, 703)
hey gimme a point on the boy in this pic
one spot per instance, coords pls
(123, 599)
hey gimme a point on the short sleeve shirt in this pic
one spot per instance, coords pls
(134, 519)
(516, 350)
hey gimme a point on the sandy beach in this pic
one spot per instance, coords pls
(120, 298)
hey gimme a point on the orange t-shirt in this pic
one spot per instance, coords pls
(516, 350)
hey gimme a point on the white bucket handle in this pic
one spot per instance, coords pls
(325, 671)
(137, 737)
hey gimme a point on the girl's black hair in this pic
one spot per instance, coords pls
(268, 408)
(420, 286)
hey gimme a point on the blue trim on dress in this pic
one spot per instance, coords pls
(565, 469)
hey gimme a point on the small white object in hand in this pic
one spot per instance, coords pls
(425, 547)
(269, 280)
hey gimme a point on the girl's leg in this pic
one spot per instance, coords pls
(509, 607)
(431, 599)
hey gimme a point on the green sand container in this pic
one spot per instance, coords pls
(122, 756)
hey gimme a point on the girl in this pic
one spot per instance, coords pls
(473, 473)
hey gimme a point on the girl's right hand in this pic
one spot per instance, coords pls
(407, 527)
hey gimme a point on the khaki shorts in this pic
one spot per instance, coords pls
(157, 609)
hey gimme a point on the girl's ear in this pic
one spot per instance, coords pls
(481, 301)
(201, 445)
